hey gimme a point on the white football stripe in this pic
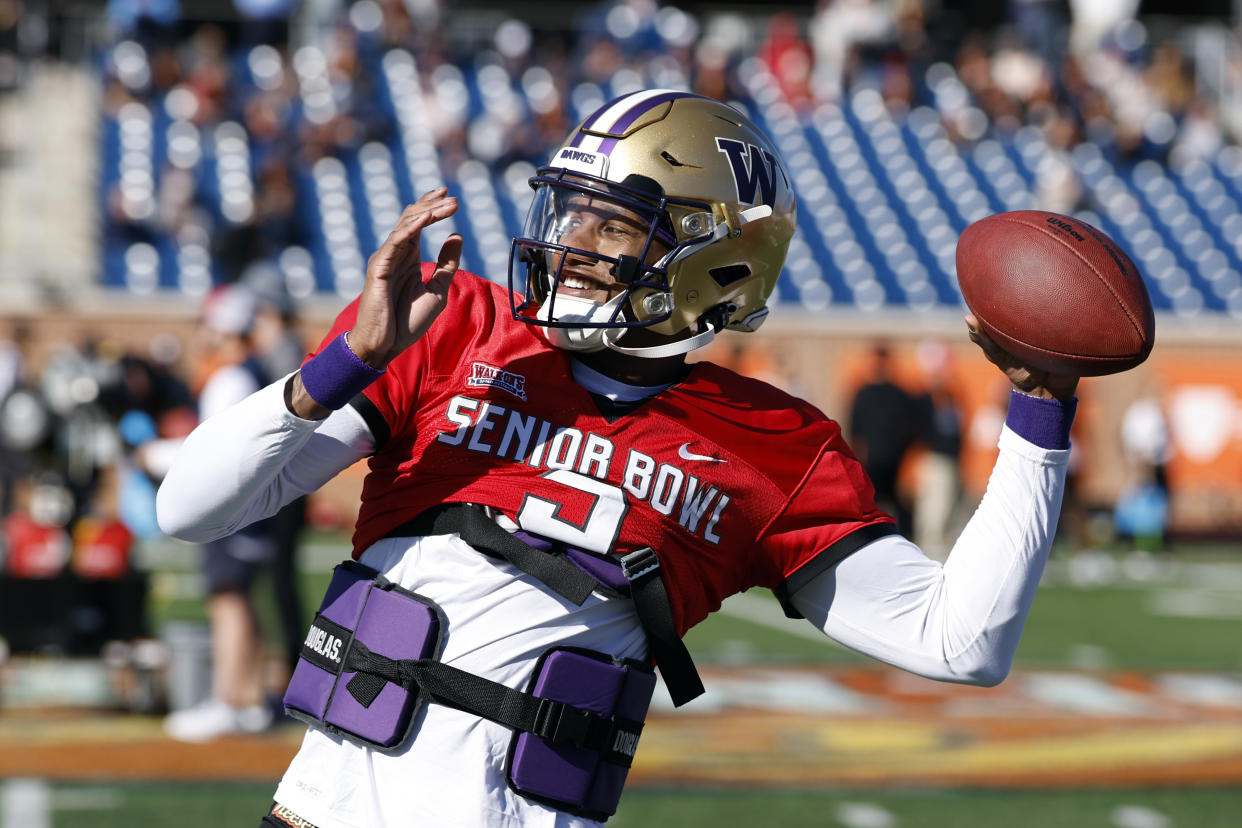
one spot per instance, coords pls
(612, 114)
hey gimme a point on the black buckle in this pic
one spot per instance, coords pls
(637, 564)
(563, 724)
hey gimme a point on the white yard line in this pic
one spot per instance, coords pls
(1138, 816)
(25, 803)
(864, 815)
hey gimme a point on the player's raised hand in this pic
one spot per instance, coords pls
(1028, 380)
(397, 305)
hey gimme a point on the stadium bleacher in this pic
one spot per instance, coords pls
(883, 195)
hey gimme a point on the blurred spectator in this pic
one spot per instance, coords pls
(1058, 188)
(711, 71)
(10, 45)
(281, 351)
(14, 357)
(1142, 510)
(237, 702)
(14, 360)
(273, 225)
(1095, 20)
(149, 22)
(883, 426)
(275, 337)
(1043, 26)
(134, 480)
(788, 58)
(102, 543)
(838, 29)
(265, 21)
(207, 74)
(941, 430)
(36, 541)
(1200, 136)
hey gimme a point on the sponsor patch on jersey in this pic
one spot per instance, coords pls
(577, 160)
(483, 375)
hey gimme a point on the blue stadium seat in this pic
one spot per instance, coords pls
(882, 196)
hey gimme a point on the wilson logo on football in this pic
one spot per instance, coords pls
(483, 375)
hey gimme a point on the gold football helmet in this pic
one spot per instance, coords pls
(702, 198)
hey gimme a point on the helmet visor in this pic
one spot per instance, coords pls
(591, 240)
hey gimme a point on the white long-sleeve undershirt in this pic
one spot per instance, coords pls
(960, 621)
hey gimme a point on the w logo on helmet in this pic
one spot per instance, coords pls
(754, 171)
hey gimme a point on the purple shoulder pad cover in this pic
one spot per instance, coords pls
(1046, 423)
(391, 622)
(580, 780)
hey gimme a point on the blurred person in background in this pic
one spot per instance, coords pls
(838, 30)
(14, 357)
(237, 702)
(561, 416)
(1141, 514)
(883, 426)
(789, 58)
(148, 398)
(14, 369)
(940, 432)
(280, 350)
(149, 22)
(265, 21)
(1044, 28)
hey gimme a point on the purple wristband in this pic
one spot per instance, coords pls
(1046, 423)
(335, 375)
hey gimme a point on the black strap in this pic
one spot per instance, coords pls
(481, 532)
(642, 570)
(558, 722)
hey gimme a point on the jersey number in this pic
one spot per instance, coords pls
(597, 532)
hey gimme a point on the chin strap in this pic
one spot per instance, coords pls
(712, 322)
(668, 349)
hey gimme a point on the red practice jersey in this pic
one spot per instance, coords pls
(732, 482)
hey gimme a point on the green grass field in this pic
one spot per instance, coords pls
(212, 806)
(1184, 613)
(1181, 613)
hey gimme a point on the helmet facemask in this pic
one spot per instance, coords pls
(584, 235)
(711, 210)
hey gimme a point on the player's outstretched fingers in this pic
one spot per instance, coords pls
(446, 265)
(401, 255)
(390, 314)
(426, 204)
(431, 296)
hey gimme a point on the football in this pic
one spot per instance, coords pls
(1056, 293)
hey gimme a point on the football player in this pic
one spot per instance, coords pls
(562, 413)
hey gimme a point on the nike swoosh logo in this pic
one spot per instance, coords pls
(685, 454)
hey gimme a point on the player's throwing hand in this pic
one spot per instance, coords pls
(397, 306)
(1028, 380)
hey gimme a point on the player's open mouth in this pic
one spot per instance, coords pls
(579, 286)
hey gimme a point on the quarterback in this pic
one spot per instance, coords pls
(555, 495)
